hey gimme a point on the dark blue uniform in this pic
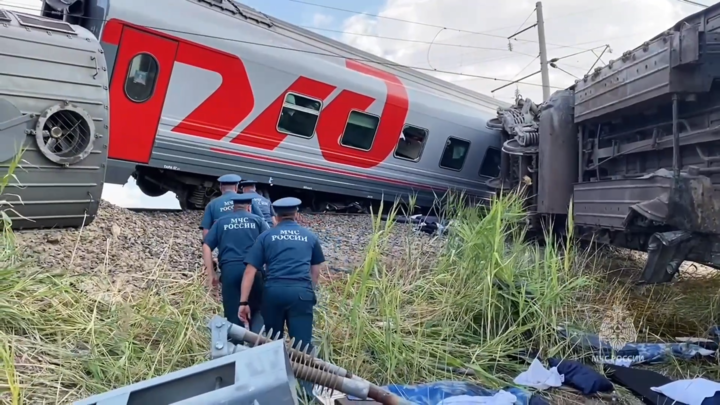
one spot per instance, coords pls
(221, 206)
(262, 202)
(233, 235)
(288, 250)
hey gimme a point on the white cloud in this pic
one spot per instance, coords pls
(322, 20)
(623, 24)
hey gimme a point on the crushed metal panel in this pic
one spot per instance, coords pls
(607, 204)
(220, 5)
(27, 20)
(254, 15)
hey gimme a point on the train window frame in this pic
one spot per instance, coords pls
(301, 109)
(442, 154)
(47, 24)
(422, 149)
(154, 84)
(4, 16)
(482, 163)
(347, 122)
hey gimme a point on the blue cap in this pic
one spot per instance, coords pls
(248, 183)
(242, 198)
(229, 179)
(286, 205)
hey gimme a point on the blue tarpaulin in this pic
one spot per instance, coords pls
(434, 393)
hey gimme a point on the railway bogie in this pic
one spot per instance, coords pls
(53, 121)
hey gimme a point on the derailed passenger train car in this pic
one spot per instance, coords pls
(53, 121)
(633, 148)
(200, 88)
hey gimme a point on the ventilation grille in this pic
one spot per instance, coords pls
(46, 24)
(239, 11)
(65, 135)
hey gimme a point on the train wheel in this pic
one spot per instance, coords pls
(149, 188)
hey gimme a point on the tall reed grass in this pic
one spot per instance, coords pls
(485, 297)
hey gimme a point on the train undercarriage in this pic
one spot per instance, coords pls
(632, 151)
(194, 191)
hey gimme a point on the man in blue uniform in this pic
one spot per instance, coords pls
(223, 205)
(248, 187)
(233, 235)
(293, 257)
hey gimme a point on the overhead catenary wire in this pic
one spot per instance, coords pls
(366, 60)
(526, 66)
(410, 40)
(558, 17)
(554, 65)
(694, 3)
(518, 31)
(526, 20)
(416, 22)
(515, 53)
(599, 58)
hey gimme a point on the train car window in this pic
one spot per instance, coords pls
(411, 143)
(454, 154)
(360, 130)
(299, 115)
(141, 77)
(490, 165)
(4, 16)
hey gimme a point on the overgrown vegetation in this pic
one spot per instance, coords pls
(474, 305)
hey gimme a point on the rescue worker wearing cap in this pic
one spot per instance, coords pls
(221, 206)
(292, 255)
(233, 235)
(248, 187)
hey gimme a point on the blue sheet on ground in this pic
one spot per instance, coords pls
(434, 393)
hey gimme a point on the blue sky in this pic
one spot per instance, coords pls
(302, 14)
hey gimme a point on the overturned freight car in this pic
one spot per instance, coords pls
(634, 146)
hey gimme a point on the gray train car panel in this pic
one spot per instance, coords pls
(53, 109)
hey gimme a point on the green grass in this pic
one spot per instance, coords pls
(473, 305)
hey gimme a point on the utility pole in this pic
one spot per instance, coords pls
(543, 52)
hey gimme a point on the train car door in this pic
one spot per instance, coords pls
(140, 81)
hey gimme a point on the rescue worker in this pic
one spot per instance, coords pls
(292, 255)
(223, 205)
(233, 235)
(248, 187)
(219, 207)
